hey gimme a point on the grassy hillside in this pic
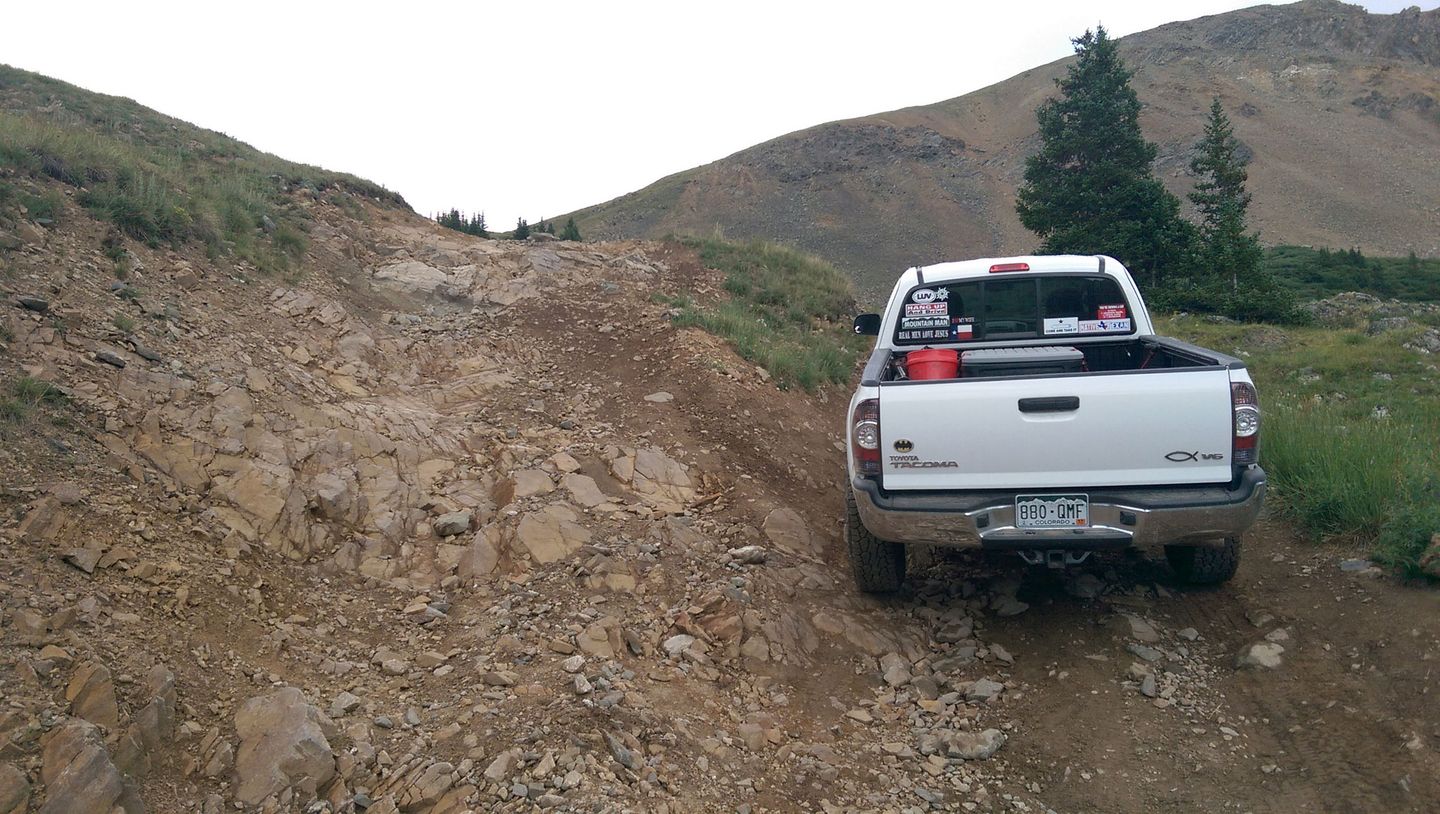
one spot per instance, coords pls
(1318, 273)
(1352, 429)
(157, 179)
(787, 312)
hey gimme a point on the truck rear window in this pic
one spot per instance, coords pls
(1014, 308)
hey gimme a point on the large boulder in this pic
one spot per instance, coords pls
(79, 776)
(284, 743)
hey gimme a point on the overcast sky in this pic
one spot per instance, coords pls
(534, 109)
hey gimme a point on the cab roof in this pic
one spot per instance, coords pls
(1038, 263)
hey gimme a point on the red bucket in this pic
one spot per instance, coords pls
(932, 363)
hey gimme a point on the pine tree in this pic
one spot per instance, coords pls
(572, 232)
(522, 229)
(1231, 278)
(1090, 188)
(1225, 248)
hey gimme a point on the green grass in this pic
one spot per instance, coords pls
(787, 311)
(124, 322)
(1337, 467)
(24, 395)
(159, 180)
(1318, 273)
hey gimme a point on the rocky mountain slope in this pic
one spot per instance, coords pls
(1339, 108)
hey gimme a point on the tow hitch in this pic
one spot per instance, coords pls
(1053, 558)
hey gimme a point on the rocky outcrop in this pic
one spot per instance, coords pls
(284, 744)
(79, 776)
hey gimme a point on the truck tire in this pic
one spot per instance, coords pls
(1205, 565)
(879, 566)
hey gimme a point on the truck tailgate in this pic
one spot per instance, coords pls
(1145, 428)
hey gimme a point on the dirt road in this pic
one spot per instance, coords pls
(542, 550)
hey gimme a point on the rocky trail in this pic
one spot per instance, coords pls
(460, 525)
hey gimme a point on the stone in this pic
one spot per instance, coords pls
(79, 776)
(1261, 655)
(749, 555)
(974, 745)
(284, 743)
(677, 644)
(564, 462)
(84, 558)
(1142, 630)
(787, 529)
(35, 304)
(1147, 686)
(573, 664)
(453, 523)
(660, 397)
(1009, 606)
(344, 703)
(482, 556)
(110, 358)
(551, 534)
(91, 694)
(583, 490)
(1085, 586)
(620, 751)
(14, 790)
(983, 690)
(1146, 652)
(502, 765)
(532, 483)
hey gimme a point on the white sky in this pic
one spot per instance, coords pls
(538, 108)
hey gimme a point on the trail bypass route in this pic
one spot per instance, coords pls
(407, 535)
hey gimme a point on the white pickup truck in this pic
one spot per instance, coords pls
(1026, 405)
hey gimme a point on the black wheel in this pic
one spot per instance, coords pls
(879, 566)
(1205, 565)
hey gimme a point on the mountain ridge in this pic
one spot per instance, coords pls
(1303, 83)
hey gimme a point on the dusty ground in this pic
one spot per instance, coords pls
(703, 682)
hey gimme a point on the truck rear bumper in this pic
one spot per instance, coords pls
(1120, 517)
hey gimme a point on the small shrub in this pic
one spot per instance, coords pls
(13, 411)
(124, 322)
(43, 207)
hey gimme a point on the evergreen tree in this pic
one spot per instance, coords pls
(572, 232)
(477, 226)
(522, 229)
(1090, 188)
(1225, 248)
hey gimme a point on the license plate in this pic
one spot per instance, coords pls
(1052, 511)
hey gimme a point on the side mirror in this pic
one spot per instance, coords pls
(867, 325)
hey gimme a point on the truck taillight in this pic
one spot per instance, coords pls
(1245, 405)
(865, 437)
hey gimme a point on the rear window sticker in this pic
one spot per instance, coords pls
(1063, 325)
(1095, 326)
(929, 333)
(924, 295)
(963, 331)
(1110, 312)
(912, 323)
(926, 309)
